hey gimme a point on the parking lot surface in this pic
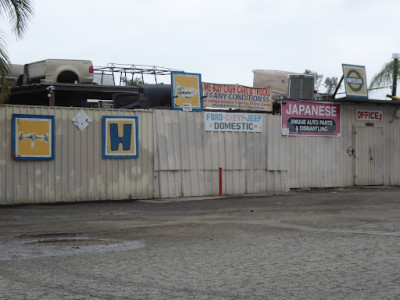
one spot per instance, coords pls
(331, 244)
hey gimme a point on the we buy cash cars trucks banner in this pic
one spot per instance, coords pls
(310, 119)
(237, 96)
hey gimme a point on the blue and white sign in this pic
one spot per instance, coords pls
(237, 122)
(120, 137)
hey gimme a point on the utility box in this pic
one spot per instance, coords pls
(301, 87)
(288, 84)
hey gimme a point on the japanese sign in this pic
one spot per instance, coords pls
(369, 115)
(310, 119)
(33, 137)
(120, 137)
(355, 81)
(186, 91)
(239, 122)
(237, 97)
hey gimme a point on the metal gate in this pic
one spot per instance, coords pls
(368, 155)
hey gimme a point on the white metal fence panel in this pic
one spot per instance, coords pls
(178, 157)
(78, 171)
(392, 150)
(188, 158)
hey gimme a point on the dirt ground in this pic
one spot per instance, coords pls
(331, 244)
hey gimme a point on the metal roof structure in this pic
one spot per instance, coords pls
(125, 72)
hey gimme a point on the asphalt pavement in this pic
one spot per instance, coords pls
(326, 244)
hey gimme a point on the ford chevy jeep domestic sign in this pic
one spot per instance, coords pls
(236, 122)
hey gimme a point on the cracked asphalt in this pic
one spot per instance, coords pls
(330, 244)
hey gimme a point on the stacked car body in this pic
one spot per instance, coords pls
(50, 71)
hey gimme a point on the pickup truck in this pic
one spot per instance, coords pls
(58, 70)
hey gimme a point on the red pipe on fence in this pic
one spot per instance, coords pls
(220, 181)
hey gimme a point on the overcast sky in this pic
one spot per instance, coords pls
(222, 40)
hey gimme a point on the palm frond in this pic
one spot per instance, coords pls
(19, 12)
(385, 76)
(4, 70)
(5, 89)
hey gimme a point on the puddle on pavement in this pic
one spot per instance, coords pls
(61, 244)
(72, 242)
(49, 235)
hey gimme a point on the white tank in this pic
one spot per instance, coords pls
(276, 80)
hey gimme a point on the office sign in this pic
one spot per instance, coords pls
(355, 81)
(238, 122)
(310, 119)
(369, 115)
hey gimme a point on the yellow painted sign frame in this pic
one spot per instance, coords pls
(186, 91)
(355, 81)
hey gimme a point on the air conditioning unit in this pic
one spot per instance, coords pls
(301, 87)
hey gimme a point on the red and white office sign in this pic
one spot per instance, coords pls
(369, 115)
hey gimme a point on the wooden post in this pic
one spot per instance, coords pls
(52, 98)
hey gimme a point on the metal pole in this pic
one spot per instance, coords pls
(395, 72)
(337, 88)
(220, 181)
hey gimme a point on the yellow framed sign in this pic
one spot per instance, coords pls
(186, 91)
(33, 137)
(355, 81)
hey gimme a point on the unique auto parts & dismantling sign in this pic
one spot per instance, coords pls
(310, 119)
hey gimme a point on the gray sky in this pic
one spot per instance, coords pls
(222, 40)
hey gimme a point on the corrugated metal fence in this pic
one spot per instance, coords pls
(177, 157)
(78, 172)
(188, 158)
